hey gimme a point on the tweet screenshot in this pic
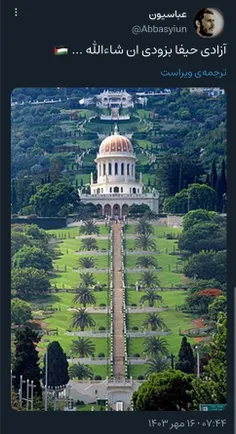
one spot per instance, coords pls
(118, 273)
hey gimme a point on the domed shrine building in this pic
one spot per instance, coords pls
(116, 188)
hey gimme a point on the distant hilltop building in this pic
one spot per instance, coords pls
(209, 91)
(109, 98)
(116, 188)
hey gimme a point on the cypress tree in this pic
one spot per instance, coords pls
(186, 358)
(213, 175)
(57, 366)
(13, 197)
(221, 187)
(26, 361)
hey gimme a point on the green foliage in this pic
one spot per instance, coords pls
(57, 366)
(151, 297)
(177, 171)
(80, 371)
(155, 365)
(149, 279)
(28, 282)
(55, 169)
(196, 285)
(33, 257)
(87, 280)
(49, 199)
(203, 236)
(138, 210)
(84, 296)
(155, 321)
(155, 345)
(34, 232)
(145, 242)
(207, 265)
(89, 244)
(83, 348)
(165, 391)
(87, 262)
(26, 360)
(196, 216)
(219, 304)
(211, 388)
(200, 300)
(89, 227)
(20, 311)
(144, 227)
(186, 358)
(18, 240)
(82, 319)
(197, 196)
(146, 262)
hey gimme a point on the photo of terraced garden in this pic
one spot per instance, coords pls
(118, 243)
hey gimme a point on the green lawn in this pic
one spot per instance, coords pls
(158, 230)
(162, 244)
(168, 279)
(170, 298)
(136, 344)
(75, 230)
(146, 177)
(136, 370)
(85, 177)
(171, 265)
(163, 260)
(61, 320)
(64, 275)
(70, 279)
(66, 342)
(88, 407)
(173, 319)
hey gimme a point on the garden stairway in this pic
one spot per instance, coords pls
(118, 334)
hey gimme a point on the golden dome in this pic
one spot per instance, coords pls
(116, 143)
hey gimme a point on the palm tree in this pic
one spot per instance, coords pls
(83, 347)
(89, 244)
(82, 319)
(145, 242)
(84, 296)
(80, 371)
(87, 280)
(89, 227)
(87, 262)
(146, 262)
(155, 365)
(151, 296)
(149, 279)
(155, 345)
(154, 320)
(144, 227)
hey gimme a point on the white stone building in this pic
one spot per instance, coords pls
(118, 98)
(116, 188)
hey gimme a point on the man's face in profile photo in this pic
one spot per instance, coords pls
(205, 23)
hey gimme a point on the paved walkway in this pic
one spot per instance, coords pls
(118, 339)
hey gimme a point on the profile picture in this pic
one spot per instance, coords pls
(209, 22)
